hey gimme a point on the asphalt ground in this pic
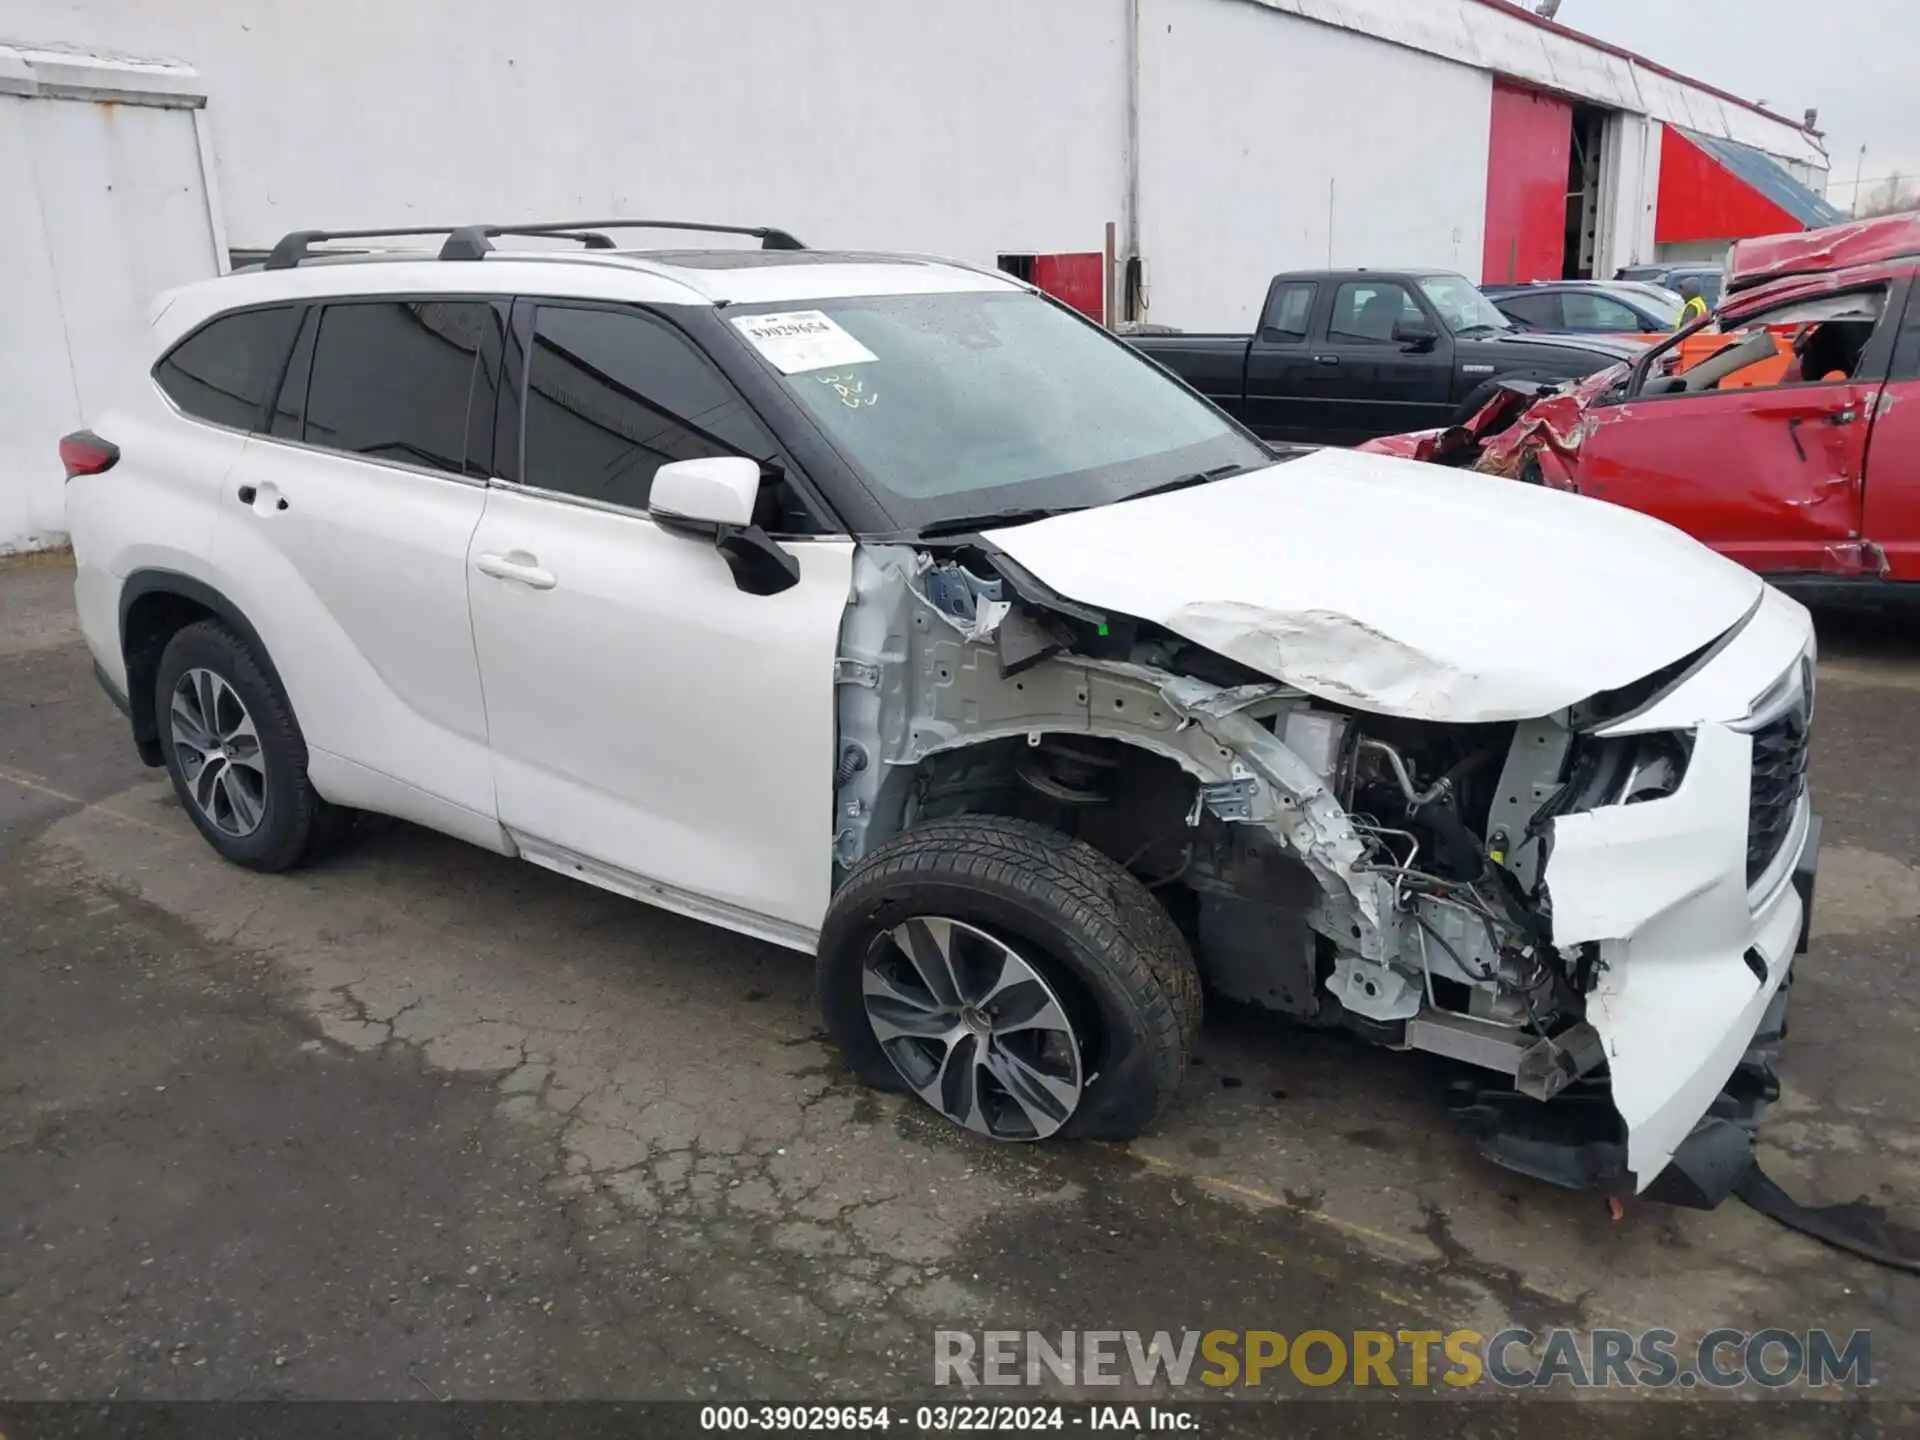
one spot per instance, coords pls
(424, 1123)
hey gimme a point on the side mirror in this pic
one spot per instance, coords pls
(716, 490)
(713, 498)
(1416, 335)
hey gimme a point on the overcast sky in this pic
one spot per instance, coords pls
(1858, 61)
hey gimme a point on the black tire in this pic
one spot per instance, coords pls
(296, 824)
(1103, 941)
(1483, 392)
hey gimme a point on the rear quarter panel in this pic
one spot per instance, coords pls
(153, 510)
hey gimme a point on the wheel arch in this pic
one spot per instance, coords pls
(155, 605)
(996, 751)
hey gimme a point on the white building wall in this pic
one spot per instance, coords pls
(973, 129)
(106, 206)
(1345, 151)
(1495, 39)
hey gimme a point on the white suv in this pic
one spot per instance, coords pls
(885, 609)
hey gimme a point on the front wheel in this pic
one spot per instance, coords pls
(1016, 980)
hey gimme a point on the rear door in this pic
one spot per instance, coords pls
(343, 530)
(1892, 504)
(1279, 375)
(1361, 381)
(1769, 475)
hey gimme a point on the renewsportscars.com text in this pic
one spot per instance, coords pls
(1511, 1359)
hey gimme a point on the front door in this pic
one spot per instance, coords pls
(653, 728)
(1770, 478)
(1769, 474)
(1364, 378)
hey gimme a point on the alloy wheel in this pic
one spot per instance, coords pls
(974, 1028)
(219, 753)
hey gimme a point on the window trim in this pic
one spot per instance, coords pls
(295, 305)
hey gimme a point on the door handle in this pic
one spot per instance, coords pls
(250, 495)
(1842, 417)
(518, 566)
(1326, 359)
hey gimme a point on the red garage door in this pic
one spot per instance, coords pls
(1527, 185)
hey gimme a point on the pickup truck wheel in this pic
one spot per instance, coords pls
(1018, 981)
(1483, 392)
(235, 753)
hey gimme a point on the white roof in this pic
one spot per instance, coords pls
(680, 277)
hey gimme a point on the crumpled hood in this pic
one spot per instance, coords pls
(1397, 587)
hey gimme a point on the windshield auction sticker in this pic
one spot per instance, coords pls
(798, 340)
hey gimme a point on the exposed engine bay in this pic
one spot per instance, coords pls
(1385, 875)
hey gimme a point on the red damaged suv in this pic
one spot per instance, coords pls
(1783, 431)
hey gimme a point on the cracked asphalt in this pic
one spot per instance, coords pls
(424, 1122)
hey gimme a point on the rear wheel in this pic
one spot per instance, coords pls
(235, 753)
(1018, 981)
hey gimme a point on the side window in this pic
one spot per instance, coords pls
(1537, 312)
(1596, 314)
(1367, 310)
(225, 371)
(1816, 341)
(393, 380)
(1289, 310)
(613, 395)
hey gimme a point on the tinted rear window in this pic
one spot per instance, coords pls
(393, 379)
(225, 370)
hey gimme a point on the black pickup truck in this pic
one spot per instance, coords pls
(1343, 356)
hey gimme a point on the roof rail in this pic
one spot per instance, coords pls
(472, 242)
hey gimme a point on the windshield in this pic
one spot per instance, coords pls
(958, 405)
(1461, 305)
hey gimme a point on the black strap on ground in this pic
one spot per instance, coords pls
(1857, 1227)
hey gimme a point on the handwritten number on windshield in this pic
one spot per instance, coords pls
(851, 389)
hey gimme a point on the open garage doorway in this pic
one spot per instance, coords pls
(1585, 154)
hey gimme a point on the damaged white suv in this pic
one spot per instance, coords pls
(887, 610)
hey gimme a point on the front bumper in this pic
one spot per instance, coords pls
(1582, 1140)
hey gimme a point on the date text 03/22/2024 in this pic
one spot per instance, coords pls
(945, 1419)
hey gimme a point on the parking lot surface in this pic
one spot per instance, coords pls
(428, 1122)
